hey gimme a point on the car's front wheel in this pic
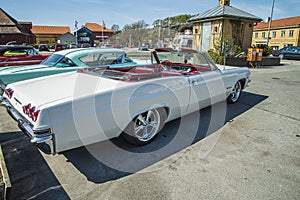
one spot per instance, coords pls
(236, 93)
(144, 127)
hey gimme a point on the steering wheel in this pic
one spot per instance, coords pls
(165, 66)
(162, 67)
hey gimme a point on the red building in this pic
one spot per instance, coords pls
(12, 30)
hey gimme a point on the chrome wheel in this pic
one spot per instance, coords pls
(146, 125)
(236, 93)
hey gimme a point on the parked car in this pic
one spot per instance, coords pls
(57, 47)
(14, 55)
(43, 47)
(11, 43)
(182, 41)
(65, 61)
(290, 52)
(72, 46)
(85, 45)
(70, 110)
(143, 48)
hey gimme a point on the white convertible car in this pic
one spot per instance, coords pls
(74, 109)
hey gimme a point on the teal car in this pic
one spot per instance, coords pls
(66, 61)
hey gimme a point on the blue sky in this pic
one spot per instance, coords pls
(121, 12)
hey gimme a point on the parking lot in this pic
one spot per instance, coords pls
(254, 153)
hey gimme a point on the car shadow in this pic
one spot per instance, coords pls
(29, 173)
(113, 159)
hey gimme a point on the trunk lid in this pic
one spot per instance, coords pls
(58, 88)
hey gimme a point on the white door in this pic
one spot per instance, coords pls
(207, 88)
(206, 34)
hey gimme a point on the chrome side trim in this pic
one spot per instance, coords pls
(47, 136)
(20, 62)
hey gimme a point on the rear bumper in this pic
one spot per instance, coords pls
(37, 137)
(2, 87)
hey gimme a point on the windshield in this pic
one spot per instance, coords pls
(175, 57)
(108, 58)
(52, 60)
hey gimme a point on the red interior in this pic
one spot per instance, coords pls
(166, 69)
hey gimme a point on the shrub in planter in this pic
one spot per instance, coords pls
(219, 59)
(267, 51)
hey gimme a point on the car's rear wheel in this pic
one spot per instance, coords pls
(144, 127)
(236, 93)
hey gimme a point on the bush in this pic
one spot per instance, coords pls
(267, 50)
(219, 59)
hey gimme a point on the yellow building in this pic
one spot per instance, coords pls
(283, 32)
(220, 24)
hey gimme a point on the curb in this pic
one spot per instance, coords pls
(5, 184)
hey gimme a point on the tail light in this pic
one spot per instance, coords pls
(31, 112)
(9, 92)
(35, 115)
(26, 109)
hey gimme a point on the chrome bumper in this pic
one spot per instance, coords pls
(2, 88)
(36, 136)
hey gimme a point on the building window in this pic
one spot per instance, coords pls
(216, 29)
(291, 33)
(256, 35)
(274, 34)
(263, 34)
(282, 34)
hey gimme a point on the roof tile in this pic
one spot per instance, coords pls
(94, 27)
(225, 11)
(279, 23)
(59, 30)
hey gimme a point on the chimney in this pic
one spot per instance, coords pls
(224, 2)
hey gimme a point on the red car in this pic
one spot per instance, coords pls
(56, 47)
(16, 55)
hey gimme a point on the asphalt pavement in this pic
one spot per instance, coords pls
(252, 151)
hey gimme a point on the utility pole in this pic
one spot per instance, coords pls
(76, 33)
(159, 24)
(103, 24)
(169, 32)
(270, 23)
